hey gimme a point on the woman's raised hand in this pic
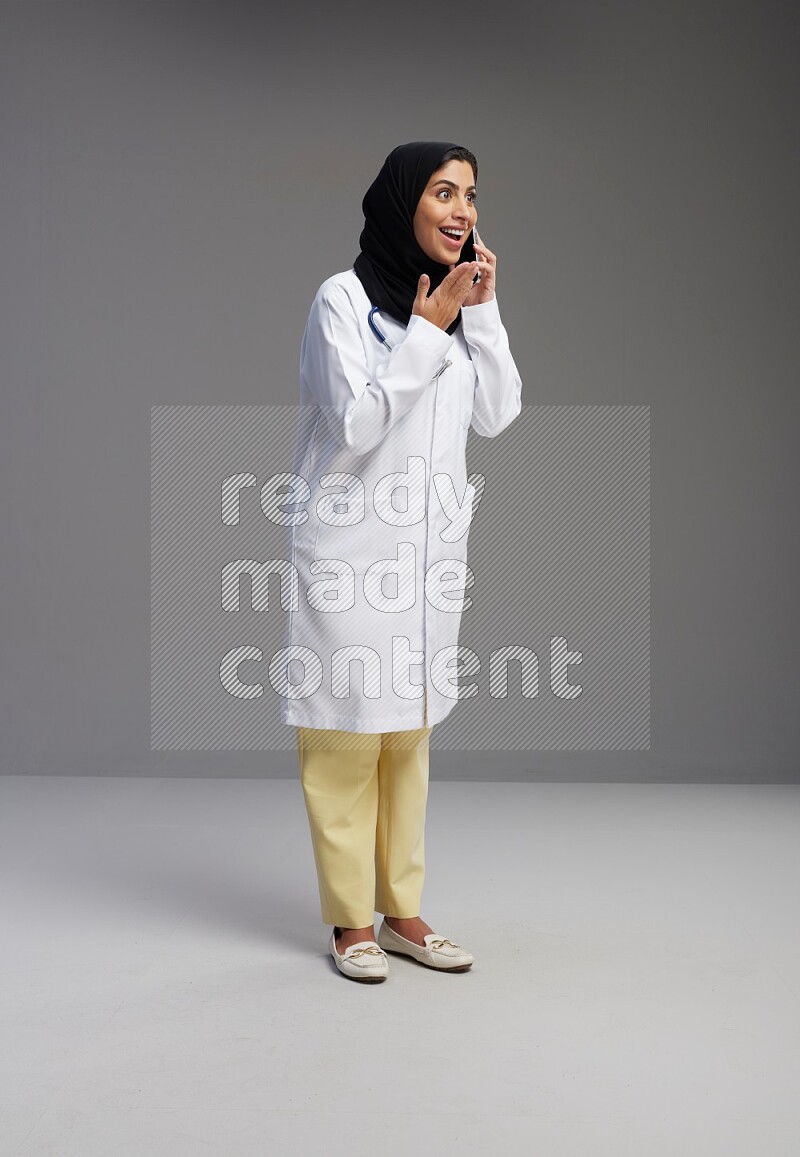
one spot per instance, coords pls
(442, 307)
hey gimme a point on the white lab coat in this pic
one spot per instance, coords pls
(367, 414)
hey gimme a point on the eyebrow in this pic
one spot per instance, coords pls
(453, 185)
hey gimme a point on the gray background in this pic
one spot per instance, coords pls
(177, 179)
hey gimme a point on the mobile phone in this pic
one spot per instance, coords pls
(478, 274)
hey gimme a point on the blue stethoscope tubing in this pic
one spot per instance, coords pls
(373, 326)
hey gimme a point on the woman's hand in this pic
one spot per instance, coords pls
(484, 290)
(442, 307)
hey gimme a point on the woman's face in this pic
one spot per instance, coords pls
(448, 203)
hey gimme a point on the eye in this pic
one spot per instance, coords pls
(471, 197)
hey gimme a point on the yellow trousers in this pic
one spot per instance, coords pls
(366, 797)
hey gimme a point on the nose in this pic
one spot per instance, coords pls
(462, 211)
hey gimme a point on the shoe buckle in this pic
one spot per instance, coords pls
(374, 951)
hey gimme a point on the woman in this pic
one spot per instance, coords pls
(400, 355)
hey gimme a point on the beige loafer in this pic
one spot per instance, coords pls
(438, 952)
(362, 961)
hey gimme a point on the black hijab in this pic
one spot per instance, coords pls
(391, 260)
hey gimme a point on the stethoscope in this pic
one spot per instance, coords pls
(373, 325)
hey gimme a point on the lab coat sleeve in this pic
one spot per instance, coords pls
(361, 407)
(498, 393)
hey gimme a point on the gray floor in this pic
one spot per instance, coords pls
(166, 988)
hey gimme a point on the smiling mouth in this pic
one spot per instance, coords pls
(452, 237)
